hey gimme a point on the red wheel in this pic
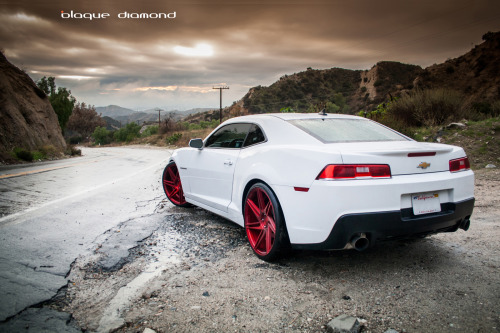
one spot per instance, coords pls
(172, 185)
(264, 222)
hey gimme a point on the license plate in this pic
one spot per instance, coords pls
(425, 203)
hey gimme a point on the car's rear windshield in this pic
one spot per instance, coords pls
(346, 130)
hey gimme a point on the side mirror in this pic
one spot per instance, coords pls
(196, 143)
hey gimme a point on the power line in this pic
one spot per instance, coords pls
(159, 121)
(220, 109)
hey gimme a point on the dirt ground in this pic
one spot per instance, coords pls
(196, 273)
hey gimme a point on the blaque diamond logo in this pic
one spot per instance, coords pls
(124, 15)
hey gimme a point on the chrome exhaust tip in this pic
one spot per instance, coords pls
(359, 242)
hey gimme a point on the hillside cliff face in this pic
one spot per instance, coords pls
(475, 74)
(27, 119)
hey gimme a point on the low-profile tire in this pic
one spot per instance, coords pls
(172, 185)
(264, 223)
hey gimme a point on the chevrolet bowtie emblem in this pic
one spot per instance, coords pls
(424, 165)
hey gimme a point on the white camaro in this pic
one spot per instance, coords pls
(314, 181)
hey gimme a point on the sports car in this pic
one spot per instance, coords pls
(322, 181)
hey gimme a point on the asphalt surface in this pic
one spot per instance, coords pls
(51, 213)
(92, 244)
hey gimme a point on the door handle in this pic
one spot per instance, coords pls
(228, 162)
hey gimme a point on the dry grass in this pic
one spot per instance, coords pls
(161, 140)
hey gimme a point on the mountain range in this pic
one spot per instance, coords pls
(125, 116)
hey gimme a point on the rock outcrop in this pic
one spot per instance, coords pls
(27, 120)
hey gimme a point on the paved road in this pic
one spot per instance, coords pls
(51, 213)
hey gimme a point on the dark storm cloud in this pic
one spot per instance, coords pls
(253, 42)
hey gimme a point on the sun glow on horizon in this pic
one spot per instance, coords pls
(200, 50)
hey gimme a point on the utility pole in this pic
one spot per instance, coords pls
(159, 120)
(220, 110)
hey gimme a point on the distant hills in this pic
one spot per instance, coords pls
(124, 116)
(474, 74)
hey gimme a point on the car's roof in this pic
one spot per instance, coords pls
(292, 116)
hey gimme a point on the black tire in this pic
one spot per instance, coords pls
(264, 223)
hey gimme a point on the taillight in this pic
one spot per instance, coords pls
(353, 171)
(460, 164)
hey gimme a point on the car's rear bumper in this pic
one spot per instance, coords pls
(394, 225)
(312, 216)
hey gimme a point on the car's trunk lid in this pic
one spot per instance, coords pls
(403, 157)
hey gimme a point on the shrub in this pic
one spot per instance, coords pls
(495, 108)
(484, 108)
(173, 138)
(74, 140)
(428, 108)
(84, 120)
(23, 154)
(150, 130)
(37, 155)
(48, 151)
(72, 151)
(287, 109)
(101, 136)
(127, 133)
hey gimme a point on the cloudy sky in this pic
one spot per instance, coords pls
(174, 61)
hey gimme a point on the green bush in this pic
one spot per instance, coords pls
(150, 130)
(23, 154)
(198, 126)
(127, 133)
(101, 136)
(173, 138)
(287, 109)
(37, 155)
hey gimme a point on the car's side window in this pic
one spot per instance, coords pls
(254, 136)
(229, 136)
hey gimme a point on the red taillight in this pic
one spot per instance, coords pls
(353, 171)
(459, 164)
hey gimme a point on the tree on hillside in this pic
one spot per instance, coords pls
(84, 120)
(61, 100)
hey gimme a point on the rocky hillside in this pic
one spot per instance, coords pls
(475, 74)
(27, 119)
(303, 90)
